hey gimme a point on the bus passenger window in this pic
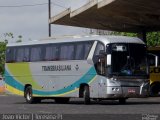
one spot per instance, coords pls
(67, 52)
(79, 55)
(36, 54)
(10, 55)
(87, 48)
(20, 55)
(26, 55)
(51, 53)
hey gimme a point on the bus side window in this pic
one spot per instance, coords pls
(79, 54)
(82, 50)
(11, 55)
(26, 55)
(36, 53)
(87, 47)
(99, 60)
(51, 53)
(67, 52)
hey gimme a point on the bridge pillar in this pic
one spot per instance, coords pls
(142, 36)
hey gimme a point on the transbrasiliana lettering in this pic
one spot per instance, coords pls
(57, 68)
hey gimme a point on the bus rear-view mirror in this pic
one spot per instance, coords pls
(108, 59)
(153, 59)
(156, 61)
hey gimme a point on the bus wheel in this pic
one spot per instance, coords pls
(62, 100)
(155, 89)
(28, 95)
(122, 101)
(86, 95)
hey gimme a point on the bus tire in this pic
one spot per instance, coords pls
(29, 96)
(61, 100)
(155, 89)
(86, 95)
(122, 101)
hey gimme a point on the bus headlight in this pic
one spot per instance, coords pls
(115, 89)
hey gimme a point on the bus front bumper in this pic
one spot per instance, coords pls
(127, 91)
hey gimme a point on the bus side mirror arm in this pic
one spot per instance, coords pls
(156, 59)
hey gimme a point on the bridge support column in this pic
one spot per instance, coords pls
(142, 36)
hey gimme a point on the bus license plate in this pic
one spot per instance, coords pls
(131, 90)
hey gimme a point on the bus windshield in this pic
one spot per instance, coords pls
(128, 59)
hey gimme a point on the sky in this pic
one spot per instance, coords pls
(32, 22)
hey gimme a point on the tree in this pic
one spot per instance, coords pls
(125, 34)
(2, 56)
(153, 38)
(19, 39)
(5, 38)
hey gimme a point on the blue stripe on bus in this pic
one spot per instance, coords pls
(85, 79)
(12, 82)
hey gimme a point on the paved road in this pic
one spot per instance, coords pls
(134, 108)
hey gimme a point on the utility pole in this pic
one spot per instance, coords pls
(49, 17)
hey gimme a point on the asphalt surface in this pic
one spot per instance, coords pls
(134, 109)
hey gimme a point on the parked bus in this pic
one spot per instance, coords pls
(88, 67)
(154, 71)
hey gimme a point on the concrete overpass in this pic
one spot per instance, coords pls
(116, 15)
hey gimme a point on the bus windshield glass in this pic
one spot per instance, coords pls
(128, 59)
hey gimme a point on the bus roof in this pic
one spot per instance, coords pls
(103, 39)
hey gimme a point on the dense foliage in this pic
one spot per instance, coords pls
(153, 39)
(3, 42)
(2, 56)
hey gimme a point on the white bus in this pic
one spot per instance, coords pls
(88, 67)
